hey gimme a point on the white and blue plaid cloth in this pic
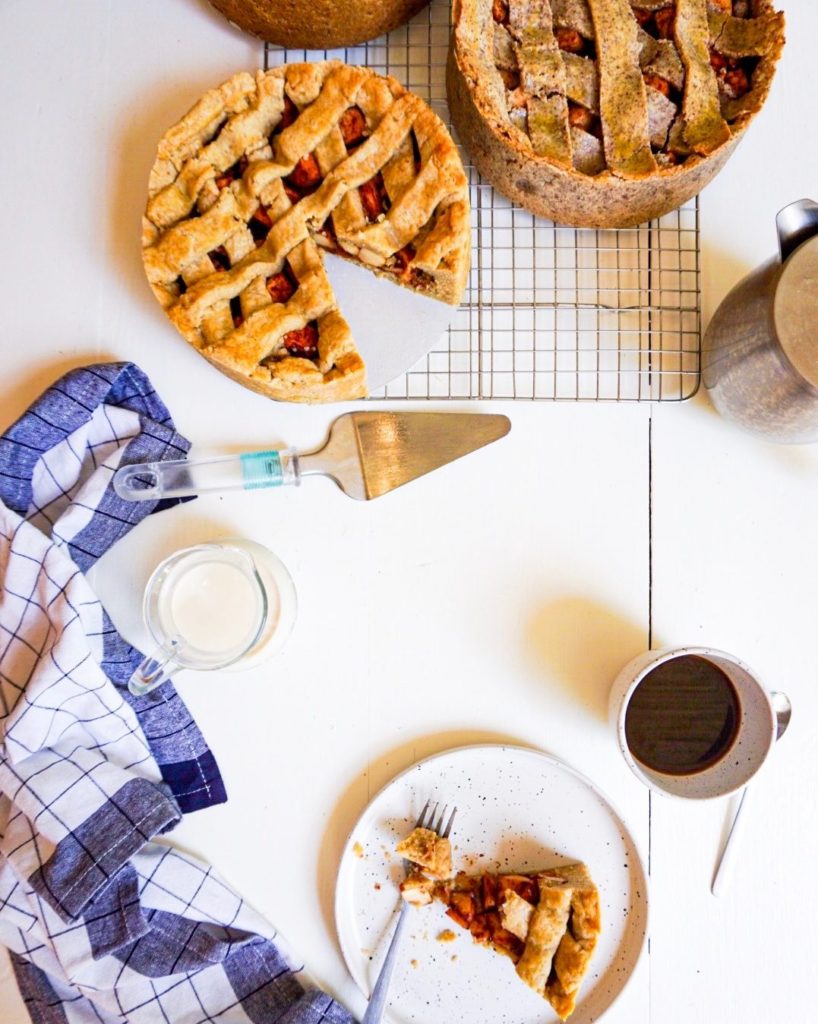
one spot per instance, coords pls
(105, 923)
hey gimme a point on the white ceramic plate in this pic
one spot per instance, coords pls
(518, 810)
(392, 327)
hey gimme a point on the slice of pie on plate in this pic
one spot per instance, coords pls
(262, 176)
(547, 922)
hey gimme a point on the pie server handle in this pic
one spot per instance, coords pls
(182, 478)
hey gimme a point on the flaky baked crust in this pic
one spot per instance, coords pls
(318, 24)
(261, 175)
(428, 850)
(621, 179)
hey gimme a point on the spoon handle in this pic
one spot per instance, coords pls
(728, 854)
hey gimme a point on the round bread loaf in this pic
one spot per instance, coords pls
(606, 113)
(318, 24)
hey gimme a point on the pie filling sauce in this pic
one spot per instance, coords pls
(260, 225)
(219, 258)
(353, 127)
(474, 904)
(235, 311)
(282, 286)
(735, 75)
(232, 173)
(374, 199)
(303, 342)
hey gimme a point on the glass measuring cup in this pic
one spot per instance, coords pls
(214, 606)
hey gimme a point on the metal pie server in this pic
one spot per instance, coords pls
(367, 454)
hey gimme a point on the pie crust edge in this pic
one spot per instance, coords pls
(318, 24)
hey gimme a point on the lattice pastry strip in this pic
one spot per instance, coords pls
(265, 172)
(542, 78)
(219, 322)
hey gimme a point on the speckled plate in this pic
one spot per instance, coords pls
(518, 810)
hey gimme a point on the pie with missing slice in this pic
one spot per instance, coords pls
(264, 175)
(547, 922)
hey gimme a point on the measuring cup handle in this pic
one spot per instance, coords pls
(155, 669)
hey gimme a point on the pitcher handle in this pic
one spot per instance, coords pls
(155, 668)
(796, 224)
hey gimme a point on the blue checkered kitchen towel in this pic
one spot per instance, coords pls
(105, 923)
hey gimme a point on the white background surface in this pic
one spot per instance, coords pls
(493, 600)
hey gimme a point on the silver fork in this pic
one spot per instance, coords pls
(377, 1001)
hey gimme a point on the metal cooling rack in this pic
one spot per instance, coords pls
(549, 312)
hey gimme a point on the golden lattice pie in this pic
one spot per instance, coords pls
(547, 922)
(318, 24)
(606, 113)
(267, 172)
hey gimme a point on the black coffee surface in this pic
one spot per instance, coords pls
(683, 717)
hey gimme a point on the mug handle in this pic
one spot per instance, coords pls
(155, 668)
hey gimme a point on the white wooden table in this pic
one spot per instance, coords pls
(502, 594)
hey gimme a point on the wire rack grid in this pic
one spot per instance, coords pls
(549, 312)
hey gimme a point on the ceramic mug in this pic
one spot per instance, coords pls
(755, 730)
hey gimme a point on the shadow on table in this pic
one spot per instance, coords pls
(208, 11)
(376, 774)
(726, 269)
(28, 387)
(134, 150)
(583, 644)
(165, 538)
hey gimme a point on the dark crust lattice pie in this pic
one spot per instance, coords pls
(605, 113)
(267, 171)
(318, 24)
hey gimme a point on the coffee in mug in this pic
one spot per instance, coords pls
(683, 716)
(692, 721)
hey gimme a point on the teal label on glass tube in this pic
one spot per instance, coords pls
(261, 469)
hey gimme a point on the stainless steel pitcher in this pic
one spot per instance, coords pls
(760, 354)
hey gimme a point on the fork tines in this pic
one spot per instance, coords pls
(429, 818)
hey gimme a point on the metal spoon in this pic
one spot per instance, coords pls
(783, 713)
